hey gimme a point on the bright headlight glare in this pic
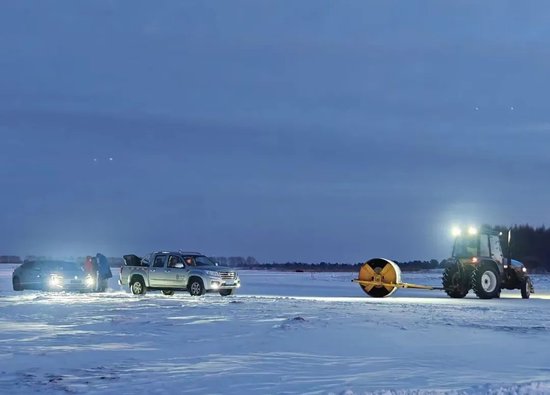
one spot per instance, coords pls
(89, 281)
(472, 230)
(55, 280)
(524, 269)
(215, 285)
(456, 231)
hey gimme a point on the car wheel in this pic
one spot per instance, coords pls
(226, 292)
(138, 287)
(486, 281)
(525, 289)
(17, 284)
(167, 292)
(196, 287)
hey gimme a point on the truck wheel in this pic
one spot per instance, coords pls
(168, 293)
(196, 287)
(456, 282)
(138, 287)
(226, 292)
(525, 289)
(486, 281)
(17, 284)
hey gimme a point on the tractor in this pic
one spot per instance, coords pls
(477, 263)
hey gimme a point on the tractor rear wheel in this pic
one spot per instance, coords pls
(456, 281)
(486, 281)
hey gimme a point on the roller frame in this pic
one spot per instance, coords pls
(396, 285)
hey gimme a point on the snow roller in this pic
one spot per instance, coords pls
(380, 277)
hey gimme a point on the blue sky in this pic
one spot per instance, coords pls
(285, 130)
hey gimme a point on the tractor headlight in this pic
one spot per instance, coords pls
(456, 231)
(524, 269)
(472, 231)
(89, 281)
(56, 280)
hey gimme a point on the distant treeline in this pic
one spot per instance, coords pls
(529, 245)
(252, 263)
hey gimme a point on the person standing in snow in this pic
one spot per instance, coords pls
(104, 271)
(91, 268)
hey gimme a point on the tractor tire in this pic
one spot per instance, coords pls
(486, 281)
(196, 287)
(456, 281)
(525, 289)
(137, 287)
(167, 292)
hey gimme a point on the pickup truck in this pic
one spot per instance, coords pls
(177, 271)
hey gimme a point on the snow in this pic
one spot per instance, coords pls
(283, 333)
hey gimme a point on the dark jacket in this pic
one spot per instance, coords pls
(103, 266)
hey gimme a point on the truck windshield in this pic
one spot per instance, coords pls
(466, 247)
(204, 261)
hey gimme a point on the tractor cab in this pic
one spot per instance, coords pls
(472, 246)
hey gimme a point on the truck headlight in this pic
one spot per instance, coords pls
(56, 280)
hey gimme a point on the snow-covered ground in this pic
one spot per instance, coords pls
(307, 333)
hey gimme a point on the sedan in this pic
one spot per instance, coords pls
(52, 276)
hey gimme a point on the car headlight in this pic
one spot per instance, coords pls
(89, 281)
(212, 273)
(56, 280)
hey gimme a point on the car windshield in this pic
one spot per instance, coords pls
(62, 266)
(466, 247)
(202, 260)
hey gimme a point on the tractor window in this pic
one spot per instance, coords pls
(484, 245)
(496, 250)
(465, 247)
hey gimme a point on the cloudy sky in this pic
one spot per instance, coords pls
(287, 130)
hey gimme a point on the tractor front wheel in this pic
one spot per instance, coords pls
(456, 281)
(486, 281)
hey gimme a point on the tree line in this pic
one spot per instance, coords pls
(529, 245)
(253, 264)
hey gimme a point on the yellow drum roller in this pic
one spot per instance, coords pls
(380, 277)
